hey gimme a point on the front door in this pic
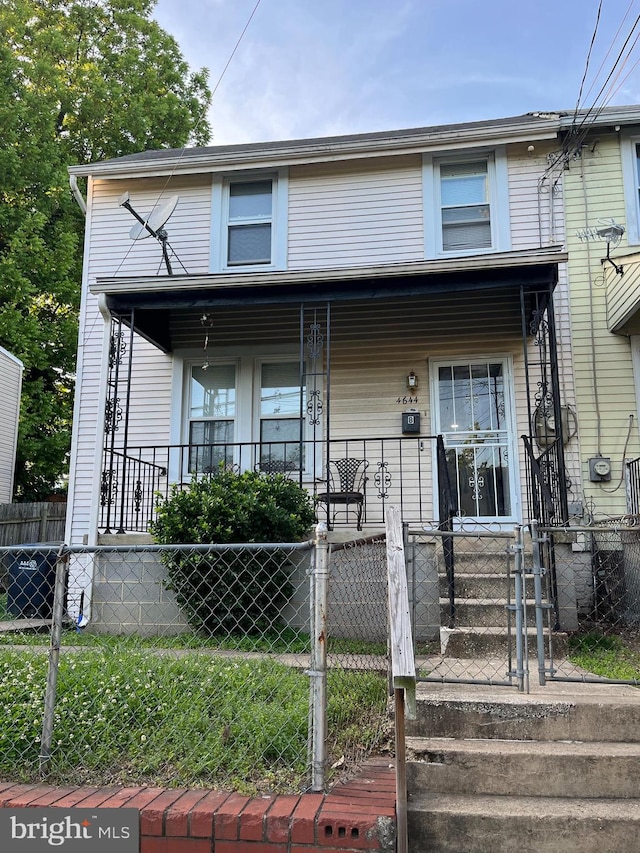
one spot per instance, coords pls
(472, 409)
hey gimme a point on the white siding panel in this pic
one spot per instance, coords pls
(535, 199)
(113, 253)
(10, 388)
(347, 214)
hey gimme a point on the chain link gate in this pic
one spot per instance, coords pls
(470, 614)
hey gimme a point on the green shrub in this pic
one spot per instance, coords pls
(239, 590)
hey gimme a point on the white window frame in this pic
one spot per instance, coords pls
(498, 200)
(220, 220)
(247, 418)
(512, 445)
(631, 183)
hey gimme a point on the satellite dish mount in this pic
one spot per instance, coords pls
(609, 231)
(152, 225)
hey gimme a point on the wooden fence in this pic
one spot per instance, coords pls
(21, 524)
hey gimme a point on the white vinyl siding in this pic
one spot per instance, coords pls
(10, 390)
(111, 250)
(347, 214)
(535, 198)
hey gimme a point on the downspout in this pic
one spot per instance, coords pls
(75, 190)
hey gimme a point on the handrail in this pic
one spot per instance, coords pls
(403, 667)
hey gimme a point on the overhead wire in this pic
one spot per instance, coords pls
(586, 66)
(193, 131)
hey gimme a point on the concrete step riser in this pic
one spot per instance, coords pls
(496, 615)
(442, 832)
(554, 721)
(444, 771)
(488, 641)
(482, 586)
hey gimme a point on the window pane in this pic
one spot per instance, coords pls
(213, 391)
(466, 214)
(249, 244)
(472, 214)
(206, 459)
(280, 445)
(467, 190)
(466, 236)
(250, 200)
(280, 389)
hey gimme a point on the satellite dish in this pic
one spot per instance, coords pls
(151, 224)
(154, 220)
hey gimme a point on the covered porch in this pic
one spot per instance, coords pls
(420, 385)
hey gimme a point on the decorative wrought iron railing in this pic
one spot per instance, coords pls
(399, 471)
(632, 475)
(545, 484)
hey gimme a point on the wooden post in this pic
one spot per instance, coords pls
(403, 668)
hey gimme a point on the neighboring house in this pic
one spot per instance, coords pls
(598, 159)
(352, 297)
(11, 369)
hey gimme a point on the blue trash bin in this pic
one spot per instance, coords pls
(31, 583)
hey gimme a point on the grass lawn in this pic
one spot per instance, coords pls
(610, 656)
(143, 716)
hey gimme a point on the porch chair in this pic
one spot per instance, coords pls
(347, 484)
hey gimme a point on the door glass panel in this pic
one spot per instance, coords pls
(472, 420)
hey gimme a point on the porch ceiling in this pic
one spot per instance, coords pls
(154, 300)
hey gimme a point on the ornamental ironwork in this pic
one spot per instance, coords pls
(382, 480)
(112, 414)
(314, 407)
(117, 348)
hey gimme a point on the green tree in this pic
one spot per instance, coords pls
(80, 80)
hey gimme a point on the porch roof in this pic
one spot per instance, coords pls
(154, 297)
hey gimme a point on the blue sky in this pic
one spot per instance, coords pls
(321, 67)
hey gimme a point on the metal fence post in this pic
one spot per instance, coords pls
(54, 660)
(538, 571)
(318, 669)
(520, 610)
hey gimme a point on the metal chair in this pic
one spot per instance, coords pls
(347, 485)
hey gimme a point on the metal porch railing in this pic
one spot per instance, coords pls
(399, 471)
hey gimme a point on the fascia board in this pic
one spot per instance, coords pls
(192, 160)
(550, 255)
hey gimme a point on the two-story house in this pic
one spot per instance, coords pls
(393, 302)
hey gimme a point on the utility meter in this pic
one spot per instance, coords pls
(599, 469)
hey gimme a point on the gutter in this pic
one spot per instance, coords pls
(198, 160)
(75, 189)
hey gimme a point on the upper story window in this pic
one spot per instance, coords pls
(630, 148)
(465, 208)
(249, 222)
(466, 204)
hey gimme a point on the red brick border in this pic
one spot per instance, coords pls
(355, 816)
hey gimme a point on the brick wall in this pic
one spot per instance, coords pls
(355, 816)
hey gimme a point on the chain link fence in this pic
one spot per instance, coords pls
(591, 587)
(188, 665)
(461, 590)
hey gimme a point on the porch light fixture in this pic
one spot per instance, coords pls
(412, 381)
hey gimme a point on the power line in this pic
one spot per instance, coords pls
(586, 67)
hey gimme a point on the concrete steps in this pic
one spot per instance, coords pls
(457, 824)
(495, 771)
(484, 586)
